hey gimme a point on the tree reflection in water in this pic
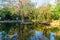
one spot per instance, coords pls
(22, 32)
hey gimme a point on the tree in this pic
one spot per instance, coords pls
(56, 12)
(6, 12)
(24, 8)
(45, 12)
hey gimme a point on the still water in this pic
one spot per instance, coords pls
(27, 32)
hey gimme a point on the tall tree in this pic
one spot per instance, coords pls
(45, 12)
(23, 6)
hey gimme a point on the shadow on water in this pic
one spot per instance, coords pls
(10, 31)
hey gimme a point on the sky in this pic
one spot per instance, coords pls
(43, 2)
(38, 2)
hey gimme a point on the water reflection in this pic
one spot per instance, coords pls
(16, 31)
(52, 36)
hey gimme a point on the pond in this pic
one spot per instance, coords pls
(17, 31)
